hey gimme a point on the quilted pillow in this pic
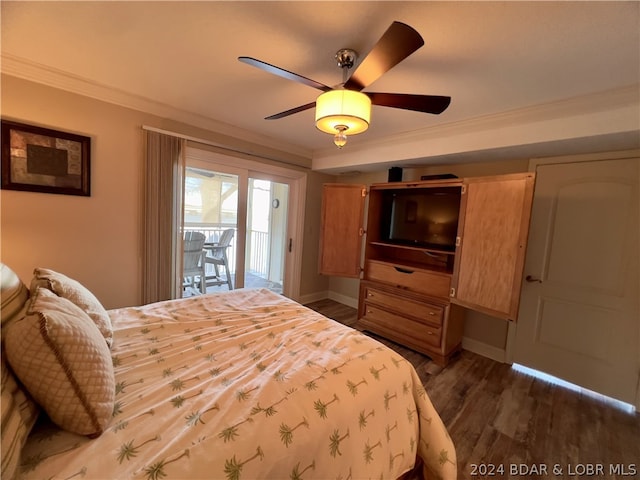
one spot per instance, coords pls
(73, 290)
(60, 356)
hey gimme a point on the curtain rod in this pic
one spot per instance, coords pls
(221, 146)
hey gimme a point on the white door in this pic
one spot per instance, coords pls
(579, 317)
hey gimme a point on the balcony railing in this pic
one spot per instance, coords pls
(258, 247)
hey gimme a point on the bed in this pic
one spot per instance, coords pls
(245, 384)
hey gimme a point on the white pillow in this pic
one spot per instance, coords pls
(73, 290)
(60, 356)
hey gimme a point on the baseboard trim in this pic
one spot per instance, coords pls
(313, 297)
(338, 297)
(486, 350)
(348, 301)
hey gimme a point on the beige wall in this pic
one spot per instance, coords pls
(93, 239)
(97, 239)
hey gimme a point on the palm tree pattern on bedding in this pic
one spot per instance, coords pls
(247, 385)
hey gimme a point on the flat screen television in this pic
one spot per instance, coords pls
(426, 217)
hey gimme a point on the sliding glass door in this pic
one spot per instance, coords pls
(256, 206)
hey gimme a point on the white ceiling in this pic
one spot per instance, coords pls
(490, 57)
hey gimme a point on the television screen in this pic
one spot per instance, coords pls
(424, 218)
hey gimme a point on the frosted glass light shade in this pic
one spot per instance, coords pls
(345, 108)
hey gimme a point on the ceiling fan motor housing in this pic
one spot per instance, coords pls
(346, 58)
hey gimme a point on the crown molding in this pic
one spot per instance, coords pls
(565, 108)
(615, 111)
(50, 76)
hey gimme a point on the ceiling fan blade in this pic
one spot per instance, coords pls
(396, 44)
(286, 113)
(435, 104)
(281, 72)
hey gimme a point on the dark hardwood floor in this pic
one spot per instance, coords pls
(516, 426)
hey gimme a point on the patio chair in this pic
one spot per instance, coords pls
(217, 256)
(193, 265)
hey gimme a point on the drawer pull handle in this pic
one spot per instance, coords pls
(403, 270)
(429, 333)
(371, 294)
(431, 313)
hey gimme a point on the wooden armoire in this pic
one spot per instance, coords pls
(417, 278)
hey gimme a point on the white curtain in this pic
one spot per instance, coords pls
(163, 217)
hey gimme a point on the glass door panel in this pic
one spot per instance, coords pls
(267, 234)
(211, 207)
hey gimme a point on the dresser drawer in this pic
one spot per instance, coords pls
(399, 328)
(427, 311)
(422, 281)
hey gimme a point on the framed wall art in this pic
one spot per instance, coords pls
(43, 160)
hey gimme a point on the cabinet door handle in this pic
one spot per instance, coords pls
(531, 279)
(403, 270)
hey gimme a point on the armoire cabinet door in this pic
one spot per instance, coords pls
(341, 229)
(492, 230)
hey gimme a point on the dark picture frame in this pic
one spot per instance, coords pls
(38, 159)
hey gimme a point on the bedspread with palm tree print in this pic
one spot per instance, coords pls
(245, 385)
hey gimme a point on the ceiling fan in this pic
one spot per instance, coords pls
(346, 109)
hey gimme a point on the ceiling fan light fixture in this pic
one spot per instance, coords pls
(346, 110)
(343, 111)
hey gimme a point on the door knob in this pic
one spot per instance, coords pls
(532, 279)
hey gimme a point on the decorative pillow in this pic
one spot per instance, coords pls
(73, 290)
(60, 356)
